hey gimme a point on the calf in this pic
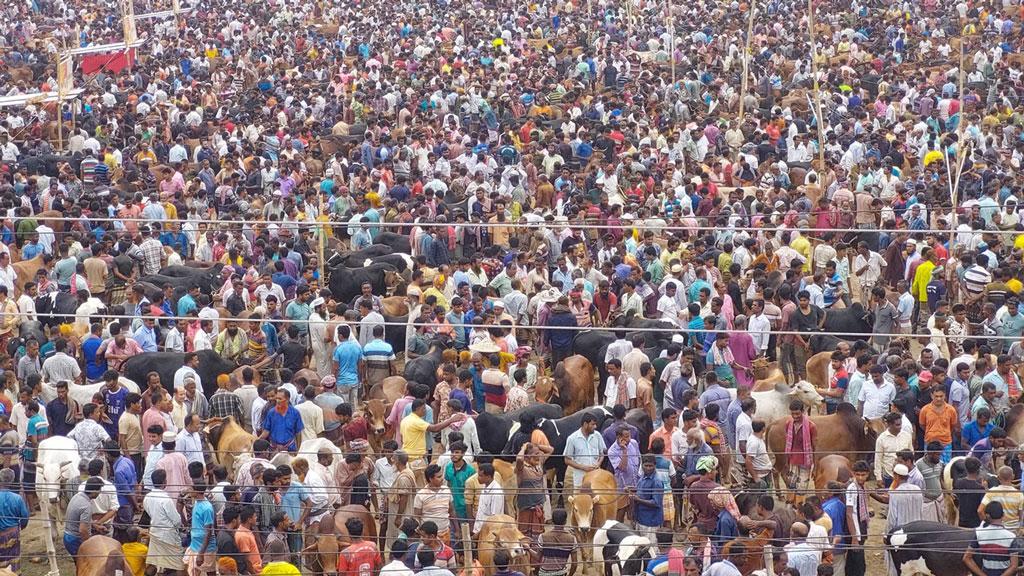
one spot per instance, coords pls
(620, 550)
(929, 548)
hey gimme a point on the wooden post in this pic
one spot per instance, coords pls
(467, 550)
(746, 59)
(817, 97)
(51, 551)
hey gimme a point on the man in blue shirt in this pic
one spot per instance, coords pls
(145, 336)
(296, 505)
(348, 365)
(13, 518)
(835, 507)
(282, 425)
(187, 303)
(124, 482)
(202, 543)
(648, 499)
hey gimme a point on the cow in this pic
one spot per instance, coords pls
(773, 405)
(558, 431)
(594, 502)
(767, 375)
(824, 343)
(346, 283)
(509, 483)
(423, 368)
(620, 550)
(389, 389)
(375, 410)
(394, 331)
(326, 548)
(593, 344)
(83, 393)
(56, 308)
(398, 242)
(833, 467)
(26, 272)
(166, 364)
(844, 433)
(853, 323)
(394, 306)
(101, 556)
(310, 449)
(574, 388)
(209, 281)
(934, 548)
(495, 430)
(817, 369)
(57, 466)
(228, 439)
(500, 532)
(655, 332)
(402, 262)
(357, 258)
(179, 271)
(354, 511)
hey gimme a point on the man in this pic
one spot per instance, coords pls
(311, 413)
(165, 544)
(802, 555)
(994, 545)
(928, 470)
(202, 547)
(13, 520)
(62, 413)
(224, 403)
(360, 556)
(125, 481)
(415, 429)
(800, 442)
(349, 366)
(1009, 498)
(282, 425)
(892, 440)
(620, 389)
(491, 499)
(648, 499)
(940, 422)
(584, 450)
(79, 522)
(188, 442)
(434, 502)
(88, 433)
(61, 366)
(397, 566)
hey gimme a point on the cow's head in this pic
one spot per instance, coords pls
(375, 411)
(508, 537)
(582, 505)
(632, 554)
(761, 367)
(391, 280)
(806, 393)
(53, 472)
(545, 391)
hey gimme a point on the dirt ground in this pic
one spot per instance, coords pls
(33, 549)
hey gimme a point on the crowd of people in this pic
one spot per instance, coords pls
(555, 167)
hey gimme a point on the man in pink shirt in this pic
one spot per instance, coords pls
(176, 467)
(119, 349)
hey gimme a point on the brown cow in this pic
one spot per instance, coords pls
(844, 433)
(500, 532)
(101, 556)
(325, 549)
(574, 383)
(509, 483)
(354, 511)
(375, 411)
(26, 271)
(767, 375)
(389, 389)
(310, 375)
(832, 468)
(817, 369)
(394, 306)
(595, 502)
(228, 440)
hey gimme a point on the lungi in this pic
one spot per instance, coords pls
(166, 555)
(197, 565)
(10, 548)
(934, 511)
(531, 522)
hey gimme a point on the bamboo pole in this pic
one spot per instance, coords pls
(746, 60)
(817, 97)
(671, 39)
(961, 150)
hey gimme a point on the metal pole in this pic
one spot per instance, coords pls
(817, 97)
(746, 59)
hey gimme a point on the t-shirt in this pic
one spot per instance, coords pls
(79, 512)
(294, 355)
(969, 494)
(202, 517)
(992, 547)
(131, 427)
(347, 355)
(1012, 501)
(938, 423)
(801, 322)
(115, 403)
(414, 442)
(359, 559)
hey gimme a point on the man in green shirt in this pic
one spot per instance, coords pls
(456, 473)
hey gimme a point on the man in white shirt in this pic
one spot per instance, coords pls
(189, 443)
(668, 307)
(620, 388)
(492, 498)
(867, 266)
(759, 326)
(397, 565)
(801, 554)
(875, 395)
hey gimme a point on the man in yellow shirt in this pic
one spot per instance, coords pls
(415, 428)
(803, 247)
(919, 287)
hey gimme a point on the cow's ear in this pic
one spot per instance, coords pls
(570, 498)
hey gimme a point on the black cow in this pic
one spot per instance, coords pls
(179, 271)
(621, 550)
(423, 369)
(853, 323)
(357, 258)
(346, 283)
(56, 308)
(558, 432)
(26, 330)
(658, 339)
(394, 331)
(495, 430)
(398, 242)
(929, 548)
(208, 283)
(166, 364)
(401, 262)
(592, 345)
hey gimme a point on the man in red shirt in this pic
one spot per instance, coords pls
(361, 557)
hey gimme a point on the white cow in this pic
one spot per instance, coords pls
(620, 550)
(83, 393)
(774, 404)
(57, 463)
